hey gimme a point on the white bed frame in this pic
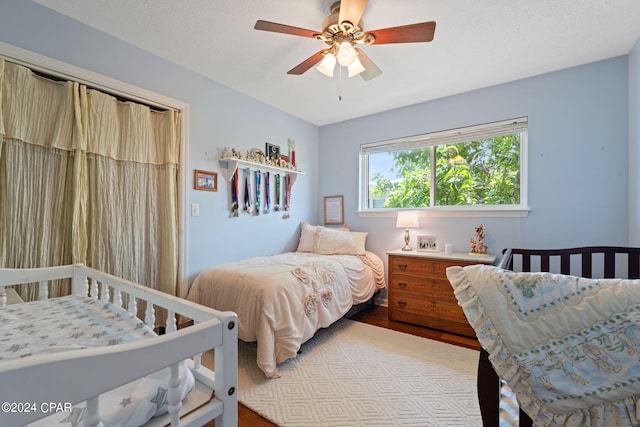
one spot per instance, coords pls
(53, 378)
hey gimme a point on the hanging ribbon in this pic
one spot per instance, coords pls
(247, 195)
(234, 194)
(277, 206)
(258, 175)
(267, 196)
(287, 192)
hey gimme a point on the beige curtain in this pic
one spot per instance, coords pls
(86, 178)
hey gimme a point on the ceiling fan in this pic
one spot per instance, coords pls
(342, 30)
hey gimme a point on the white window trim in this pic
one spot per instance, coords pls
(53, 67)
(439, 138)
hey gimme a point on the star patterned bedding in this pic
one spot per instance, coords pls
(569, 347)
(282, 300)
(72, 322)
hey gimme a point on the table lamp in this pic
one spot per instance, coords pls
(407, 220)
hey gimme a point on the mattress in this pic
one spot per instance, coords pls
(71, 323)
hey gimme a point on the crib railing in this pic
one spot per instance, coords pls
(219, 327)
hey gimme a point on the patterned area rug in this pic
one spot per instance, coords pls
(355, 374)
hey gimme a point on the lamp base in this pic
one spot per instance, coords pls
(406, 240)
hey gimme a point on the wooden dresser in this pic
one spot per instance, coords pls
(420, 293)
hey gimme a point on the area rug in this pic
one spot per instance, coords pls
(355, 374)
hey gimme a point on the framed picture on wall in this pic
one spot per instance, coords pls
(428, 243)
(205, 180)
(334, 210)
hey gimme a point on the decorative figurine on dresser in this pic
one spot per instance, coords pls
(420, 293)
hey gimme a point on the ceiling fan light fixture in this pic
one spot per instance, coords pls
(327, 65)
(346, 54)
(355, 68)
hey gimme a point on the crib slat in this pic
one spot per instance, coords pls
(117, 298)
(586, 265)
(93, 293)
(94, 416)
(174, 404)
(171, 325)
(132, 307)
(43, 291)
(565, 263)
(104, 292)
(634, 266)
(150, 316)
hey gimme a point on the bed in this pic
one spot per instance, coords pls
(282, 300)
(65, 360)
(561, 327)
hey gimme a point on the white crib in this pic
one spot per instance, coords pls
(29, 384)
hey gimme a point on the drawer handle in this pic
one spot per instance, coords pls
(402, 266)
(402, 285)
(402, 303)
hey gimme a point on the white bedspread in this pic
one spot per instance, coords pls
(72, 322)
(282, 300)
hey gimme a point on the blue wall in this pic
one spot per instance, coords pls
(578, 140)
(583, 133)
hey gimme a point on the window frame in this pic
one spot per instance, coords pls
(432, 139)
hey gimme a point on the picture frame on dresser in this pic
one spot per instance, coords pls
(428, 244)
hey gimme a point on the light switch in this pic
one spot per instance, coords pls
(195, 209)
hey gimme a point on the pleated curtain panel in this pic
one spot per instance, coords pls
(86, 178)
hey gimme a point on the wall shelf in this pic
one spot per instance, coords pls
(228, 166)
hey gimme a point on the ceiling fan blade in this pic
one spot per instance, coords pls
(371, 70)
(351, 10)
(412, 33)
(284, 29)
(307, 63)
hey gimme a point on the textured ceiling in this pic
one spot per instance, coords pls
(478, 43)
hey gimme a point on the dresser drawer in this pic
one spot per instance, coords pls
(445, 309)
(427, 286)
(417, 267)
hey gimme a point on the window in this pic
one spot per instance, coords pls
(469, 169)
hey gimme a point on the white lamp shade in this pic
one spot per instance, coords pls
(346, 54)
(327, 65)
(355, 68)
(407, 219)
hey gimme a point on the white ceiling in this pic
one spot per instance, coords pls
(478, 43)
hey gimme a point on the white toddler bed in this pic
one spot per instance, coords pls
(85, 359)
(282, 300)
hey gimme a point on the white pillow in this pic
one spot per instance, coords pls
(338, 242)
(308, 237)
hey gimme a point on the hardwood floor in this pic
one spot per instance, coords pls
(373, 315)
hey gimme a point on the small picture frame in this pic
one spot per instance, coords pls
(205, 180)
(272, 151)
(428, 243)
(334, 210)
